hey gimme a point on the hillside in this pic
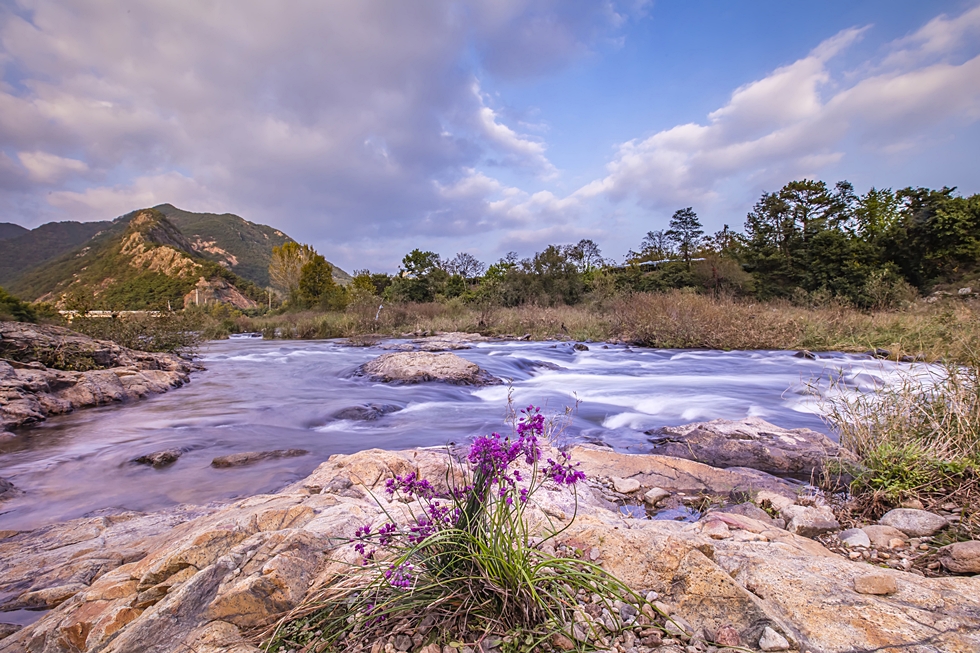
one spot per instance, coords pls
(143, 262)
(30, 250)
(233, 242)
(10, 230)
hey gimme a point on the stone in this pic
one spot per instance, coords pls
(625, 485)
(961, 557)
(854, 537)
(913, 523)
(159, 459)
(750, 442)
(749, 509)
(562, 642)
(7, 489)
(716, 529)
(402, 643)
(578, 346)
(6, 630)
(655, 496)
(882, 536)
(810, 521)
(772, 641)
(48, 370)
(366, 413)
(250, 457)
(727, 635)
(878, 583)
(964, 291)
(420, 367)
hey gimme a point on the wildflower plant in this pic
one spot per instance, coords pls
(466, 563)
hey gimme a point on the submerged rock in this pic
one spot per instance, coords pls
(419, 367)
(250, 457)
(750, 442)
(160, 459)
(6, 489)
(367, 412)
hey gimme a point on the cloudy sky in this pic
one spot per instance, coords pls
(369, 128)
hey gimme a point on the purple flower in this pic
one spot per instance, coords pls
(563, 472)
(400, 576)
(410, 485)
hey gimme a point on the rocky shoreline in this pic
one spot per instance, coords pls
(203, 579)
(50, 370)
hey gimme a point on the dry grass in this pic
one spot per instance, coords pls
(943, 330)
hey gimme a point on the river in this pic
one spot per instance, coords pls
(259, 395)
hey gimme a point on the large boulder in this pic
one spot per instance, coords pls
(420, 366)
(750, 442)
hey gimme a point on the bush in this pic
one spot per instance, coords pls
(14, 310)
(169, 332)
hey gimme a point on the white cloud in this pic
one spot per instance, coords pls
(794, 122)
(47, 168)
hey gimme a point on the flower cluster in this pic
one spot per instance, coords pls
(490, 478)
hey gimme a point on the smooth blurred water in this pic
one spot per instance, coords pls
(259, 395)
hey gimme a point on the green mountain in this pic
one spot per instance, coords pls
(10, 230)
(142, 262)
(30, 250)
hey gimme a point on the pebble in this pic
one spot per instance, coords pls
(773, 641)
(626, 485)
(655, 496)
(854, 537)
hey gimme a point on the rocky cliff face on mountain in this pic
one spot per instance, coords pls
(203, 579)
(49, 370)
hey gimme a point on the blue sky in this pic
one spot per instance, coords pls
(370, 128)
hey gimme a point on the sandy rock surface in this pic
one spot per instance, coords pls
(197, 579)
(419, 367)
(98, 372)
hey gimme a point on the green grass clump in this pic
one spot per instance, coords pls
(919, 438)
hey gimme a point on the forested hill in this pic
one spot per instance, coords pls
(27, 250)
(143, 261)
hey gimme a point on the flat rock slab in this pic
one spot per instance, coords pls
(420, 367)
(250, 457)
(750, 442)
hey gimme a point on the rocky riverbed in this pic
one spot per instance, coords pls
(50, 370)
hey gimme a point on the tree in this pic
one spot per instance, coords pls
(656, 246)
(465, 265)
(586, 255)
(286, 266)
(316, 282)
(686, 232)
(418, 263)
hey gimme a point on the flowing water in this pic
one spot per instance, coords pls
(261, 395)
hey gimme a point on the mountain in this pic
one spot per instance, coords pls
(143, 261)
(10, 230)
(30, 250)
(233, 242)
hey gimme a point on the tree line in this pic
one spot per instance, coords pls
(807, 241)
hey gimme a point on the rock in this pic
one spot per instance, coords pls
(964, 291)
(882, 536)
(879, 583)
(578, 346)
(655, 496)
(418, 367)
(160, 459)
(961, 557)
(804, 353)
(716, 529)
(749, 509)
(676, 474)
(810, 521)
(854, 537)
(7, 489)
(625, 485)
(402, 643)
(6, 435)
(914, 523)
(772, 641)
(48, 370)
(727, 636)
(751, 442)
(366, 413)
(562, 642)
(249, 457)
(6, 630)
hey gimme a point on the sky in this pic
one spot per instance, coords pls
(369, 128)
